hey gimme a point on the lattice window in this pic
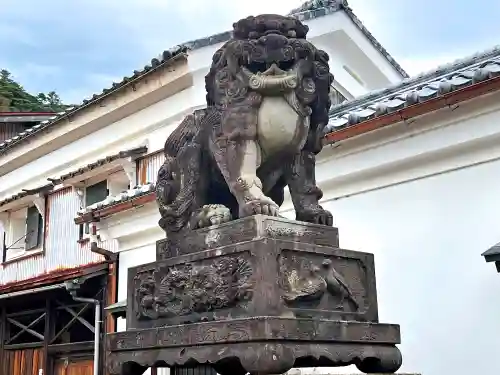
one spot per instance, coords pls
(27, 327)
(74, 321)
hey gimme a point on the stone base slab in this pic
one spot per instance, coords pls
(262, 345)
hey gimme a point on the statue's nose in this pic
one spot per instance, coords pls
(273, 40)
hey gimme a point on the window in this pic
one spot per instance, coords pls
(23, 231)
(96, 193)
(93, 194)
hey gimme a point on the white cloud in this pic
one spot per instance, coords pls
(94, 83)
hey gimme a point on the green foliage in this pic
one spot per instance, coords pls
(13, 98)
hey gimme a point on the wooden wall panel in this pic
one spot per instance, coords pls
(83, 367)
(22, 362)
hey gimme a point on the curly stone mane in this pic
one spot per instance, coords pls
(267, 105)
(256, 42)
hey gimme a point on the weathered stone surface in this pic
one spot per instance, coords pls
(268, 97)
(248, 229)
(268, 303)
(261, 294)
(281, 268)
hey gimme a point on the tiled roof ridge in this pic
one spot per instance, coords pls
(437, 73)
(309, 10)
(157, 62)
(374, 41)
(132, 193)
(446, 79)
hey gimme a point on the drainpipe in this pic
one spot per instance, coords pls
(72, 287)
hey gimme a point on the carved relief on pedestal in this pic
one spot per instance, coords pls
(316, 282)
(169, 291)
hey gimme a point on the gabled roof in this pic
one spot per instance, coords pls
(420, 89)
(318, 8)
(309, 10)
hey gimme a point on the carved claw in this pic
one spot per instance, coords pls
(259, 207)
(315, 215)
(212, 214)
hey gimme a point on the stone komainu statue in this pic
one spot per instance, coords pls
(267, 105)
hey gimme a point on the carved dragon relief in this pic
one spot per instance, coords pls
(267, 105)
(167, 292)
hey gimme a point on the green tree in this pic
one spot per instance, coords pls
(14, 98)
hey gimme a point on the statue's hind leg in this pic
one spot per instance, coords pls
(304, 192)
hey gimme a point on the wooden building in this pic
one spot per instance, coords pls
(52, 281)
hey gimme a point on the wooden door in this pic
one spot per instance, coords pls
(82, 367)
(22, 362)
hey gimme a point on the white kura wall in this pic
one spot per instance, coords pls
(423, 198)
(427, 237)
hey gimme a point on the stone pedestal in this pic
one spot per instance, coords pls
(260, 294)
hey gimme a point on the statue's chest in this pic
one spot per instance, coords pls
(279, 126)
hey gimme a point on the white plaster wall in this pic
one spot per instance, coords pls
(427, 237)
(341, 21)
(423, 198)
(132, 258)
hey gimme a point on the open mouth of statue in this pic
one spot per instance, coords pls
(271, 76)
(271, 68)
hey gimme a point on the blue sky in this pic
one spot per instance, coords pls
(78, 47)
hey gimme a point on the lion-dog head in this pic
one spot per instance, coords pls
(269, 55)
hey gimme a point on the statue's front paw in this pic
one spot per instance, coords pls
(212, 214)
(315, 215)
(261, 206)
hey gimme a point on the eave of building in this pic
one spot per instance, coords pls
(309, 10)
(166, 58)
(81, 173)
(77, 175)
(56, 276)
(24, 117)
(25, 194)
(118, 309)
(493, 255)
(443, 87)
(318, 8)
(127, 200)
